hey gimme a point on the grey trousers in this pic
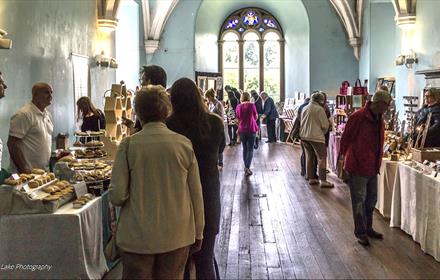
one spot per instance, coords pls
(363, 192)
(315, 151)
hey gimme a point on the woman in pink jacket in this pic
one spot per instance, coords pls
(246, 113)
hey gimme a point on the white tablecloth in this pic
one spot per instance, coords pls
(416, 208)
(385, 187)
(67, 244)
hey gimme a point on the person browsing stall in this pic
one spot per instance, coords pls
(362, 146)
(150, 75)
(156, 181)
(216, 107)
(191, 118)
(30, 132)
(270, 115)
(247, 116)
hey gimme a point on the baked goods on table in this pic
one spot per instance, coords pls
(90, 153)
(94, 143)
(82, 200)
(77, 143)
(89, 133)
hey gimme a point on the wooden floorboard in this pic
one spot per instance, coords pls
(275, 226)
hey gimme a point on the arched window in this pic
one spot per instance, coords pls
(251, 50)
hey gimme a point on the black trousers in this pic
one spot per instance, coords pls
(271, 130)
(204, 259)
(232, 132)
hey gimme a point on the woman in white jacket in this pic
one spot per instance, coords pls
(314, 125)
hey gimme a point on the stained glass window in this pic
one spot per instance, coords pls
(269, 23)
(232, 23)
(251, 19)
(255, 34)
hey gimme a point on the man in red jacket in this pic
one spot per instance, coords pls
(362, 146)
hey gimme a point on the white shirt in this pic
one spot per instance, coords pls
(35, 129)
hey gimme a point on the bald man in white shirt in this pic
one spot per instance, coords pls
(30, 132)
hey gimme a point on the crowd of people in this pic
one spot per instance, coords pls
(168, 168)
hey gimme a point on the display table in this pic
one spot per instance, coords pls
(416, 207)
(334, 146)
(66, 244)
(385, 187)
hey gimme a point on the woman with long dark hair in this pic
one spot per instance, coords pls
(190, 117)
(92, 119)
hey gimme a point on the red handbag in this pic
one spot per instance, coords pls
(358, 89)
(344, 88)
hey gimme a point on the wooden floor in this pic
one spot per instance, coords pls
(275, 226)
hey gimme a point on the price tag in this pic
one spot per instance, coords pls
(80, 189)
(15, 176)
(26, 188)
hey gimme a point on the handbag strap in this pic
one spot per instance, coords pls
(358, 83)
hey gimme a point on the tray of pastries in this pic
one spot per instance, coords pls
(90, 154)
(89, 164)
(37, 179)
(95, 176)
(89, 133)
(87, 144)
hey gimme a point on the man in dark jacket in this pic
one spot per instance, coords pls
(270, 114)
(362, 146)
(151, 75)
(432, 105)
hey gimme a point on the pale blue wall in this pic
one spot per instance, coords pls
(332, 59)
(127, 43)
(378, 48)
(44, 33)
(176, 50)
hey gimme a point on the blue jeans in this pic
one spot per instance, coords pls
(363, 192)
(248, 140)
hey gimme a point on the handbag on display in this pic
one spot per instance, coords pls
(358, 89)
(344, 88)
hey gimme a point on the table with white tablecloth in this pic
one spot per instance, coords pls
(416, 207)
(385, 186)
(66, 244)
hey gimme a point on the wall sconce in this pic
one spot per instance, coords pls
(4, 43)
(106, 61)
(407, 60)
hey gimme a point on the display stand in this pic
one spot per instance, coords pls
(118, 106)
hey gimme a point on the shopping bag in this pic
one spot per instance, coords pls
(342, 174)
(111, 251)
(358, 89)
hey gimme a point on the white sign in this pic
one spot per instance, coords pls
(80, 189)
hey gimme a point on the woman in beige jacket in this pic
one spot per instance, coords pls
(156, 182)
